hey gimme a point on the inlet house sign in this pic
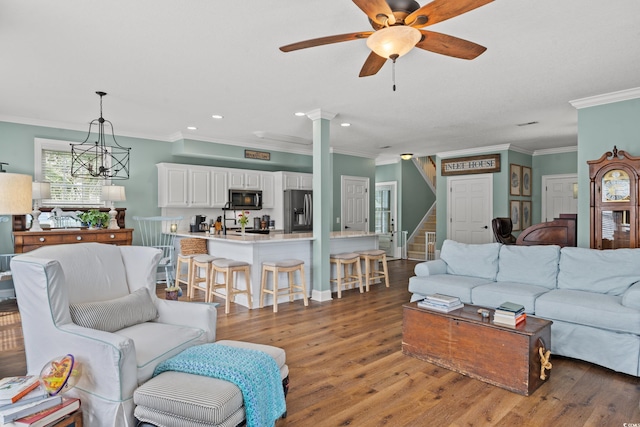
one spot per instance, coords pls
(488, 163)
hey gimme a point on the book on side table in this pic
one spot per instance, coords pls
(14, 412)
(51, 415)
(13, 389)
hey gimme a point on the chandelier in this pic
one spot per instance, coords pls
(97, 159)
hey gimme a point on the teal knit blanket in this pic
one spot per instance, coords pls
(254, 372)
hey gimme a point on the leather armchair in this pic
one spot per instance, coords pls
(50, 279)
(502, 228)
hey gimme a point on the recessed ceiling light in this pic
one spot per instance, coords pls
(345, 125)
(300, 114)
(192, 128)
(217, 116)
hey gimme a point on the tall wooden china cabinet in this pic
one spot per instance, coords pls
(614, 200)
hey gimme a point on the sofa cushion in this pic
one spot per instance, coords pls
(471, 260)
(447, 284)
(631, 297)
(590, 309)
(156, 342)
(493, 294)
(606, 272)
(532, 265)
(115, 314)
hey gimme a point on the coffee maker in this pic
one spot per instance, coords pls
(198, 223)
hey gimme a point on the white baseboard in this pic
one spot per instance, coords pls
(321, 296)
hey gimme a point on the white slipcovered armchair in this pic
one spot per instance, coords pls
(112, 288)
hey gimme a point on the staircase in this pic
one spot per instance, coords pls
(417, 246)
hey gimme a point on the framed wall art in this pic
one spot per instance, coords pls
(514, 212)
(526, 181)
(525, 213)
(515, 178)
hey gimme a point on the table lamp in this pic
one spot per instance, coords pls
(15, 194)
(113, 193)
(39, 190)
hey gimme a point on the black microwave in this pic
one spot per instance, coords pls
(245, 199)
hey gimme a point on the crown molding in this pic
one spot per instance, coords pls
(384, 162)
(606, 98)
(320, 114)
(471, 151)
(559, 150)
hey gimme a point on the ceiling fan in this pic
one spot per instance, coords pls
(397, 29)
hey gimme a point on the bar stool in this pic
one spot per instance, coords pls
(344, 270)
(189, 248)
(289, 266)
(229, 269)
(198, 263)
(371, 258)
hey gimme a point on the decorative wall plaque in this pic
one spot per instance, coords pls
(488, 163)
(260, 155)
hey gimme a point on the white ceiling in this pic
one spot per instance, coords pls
(168, 64)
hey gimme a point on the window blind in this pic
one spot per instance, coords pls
(65, 189)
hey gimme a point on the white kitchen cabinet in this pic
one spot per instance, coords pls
(244, 180)
(297, 181)
(181, 186)
(220, 188)
(268, 190)
(199, 187)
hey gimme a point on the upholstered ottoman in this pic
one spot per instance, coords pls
(177, 399)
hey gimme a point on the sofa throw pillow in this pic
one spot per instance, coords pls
(113, 315)
(531, 265)
(609, 272)
(471, 260)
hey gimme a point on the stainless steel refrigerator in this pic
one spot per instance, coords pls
(298, 211)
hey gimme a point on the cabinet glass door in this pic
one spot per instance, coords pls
(616, 229)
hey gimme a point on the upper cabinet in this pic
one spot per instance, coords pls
(244, 180)
(181, 186)
(268, 190)
(297, 181)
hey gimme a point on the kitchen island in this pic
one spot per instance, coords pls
(257, 248)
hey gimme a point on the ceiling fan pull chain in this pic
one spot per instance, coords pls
(393, 70)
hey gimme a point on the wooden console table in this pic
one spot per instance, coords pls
(463, 341)
(25, 241)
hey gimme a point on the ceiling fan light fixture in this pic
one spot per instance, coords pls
(391, 41)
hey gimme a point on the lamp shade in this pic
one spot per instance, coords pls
(40, 190)
(113, 193)
(397, 40)
(15, 194)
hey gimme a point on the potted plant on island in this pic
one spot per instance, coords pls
(94, 218)
(172, 292)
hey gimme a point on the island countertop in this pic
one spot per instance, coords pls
(254, 238)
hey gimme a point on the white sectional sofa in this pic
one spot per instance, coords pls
(592, 296)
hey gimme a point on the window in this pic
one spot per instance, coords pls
(53, 164)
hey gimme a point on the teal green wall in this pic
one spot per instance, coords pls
(599, 129)
(549, 164)
(343, 164)
(416, 197)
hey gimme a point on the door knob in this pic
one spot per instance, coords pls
(485, 227)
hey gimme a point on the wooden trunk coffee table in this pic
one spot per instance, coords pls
(465, 342)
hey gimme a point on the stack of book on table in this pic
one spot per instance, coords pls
(25, 402)
(440, 302)
(509, 313)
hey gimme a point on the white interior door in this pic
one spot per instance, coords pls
(470, 208)
(385, 217)
(560, 196)
(355, 203)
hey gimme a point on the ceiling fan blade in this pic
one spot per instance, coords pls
(372, 65)
(326, 40)
(375, 8)
(441, 10)
(449, 45)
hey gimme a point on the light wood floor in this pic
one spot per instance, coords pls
(347, 369)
